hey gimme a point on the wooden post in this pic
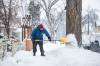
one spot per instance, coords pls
(22, 32)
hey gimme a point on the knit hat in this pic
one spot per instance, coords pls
(40, 26)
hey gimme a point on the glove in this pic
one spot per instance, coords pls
(49, 38)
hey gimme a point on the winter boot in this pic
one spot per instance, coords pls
(42, 54)
(34, 54)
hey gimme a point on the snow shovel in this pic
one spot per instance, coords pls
(63, 40)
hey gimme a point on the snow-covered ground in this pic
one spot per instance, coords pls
(56, 55)
(86, 39)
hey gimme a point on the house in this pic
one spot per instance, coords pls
(97, 29)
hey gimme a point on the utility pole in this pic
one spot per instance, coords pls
(88, 25)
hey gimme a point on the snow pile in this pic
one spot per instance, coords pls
(56, 55)
(72, 40)
(86, 39)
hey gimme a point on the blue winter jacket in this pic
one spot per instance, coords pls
(37, 34)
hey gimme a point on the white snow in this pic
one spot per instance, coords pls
(56, 55)
(72, 40)
(86, 39)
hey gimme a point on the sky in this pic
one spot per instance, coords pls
(91, 3)
(95, 4)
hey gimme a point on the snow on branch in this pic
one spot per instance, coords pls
(52, 3)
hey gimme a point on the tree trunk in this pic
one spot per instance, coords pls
(73, 18)
(7, 17)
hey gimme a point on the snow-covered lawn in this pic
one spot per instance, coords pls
(56, 55)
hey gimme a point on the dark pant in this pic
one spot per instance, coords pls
(40, 43)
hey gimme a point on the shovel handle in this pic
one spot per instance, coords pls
(47, 40)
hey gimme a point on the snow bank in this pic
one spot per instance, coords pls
(86, 39)
(72, 40)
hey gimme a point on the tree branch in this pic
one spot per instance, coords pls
(5, 13)
(44, 2)
(41, 5)
(53, 3)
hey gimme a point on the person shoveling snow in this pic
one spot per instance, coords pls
(37, 38)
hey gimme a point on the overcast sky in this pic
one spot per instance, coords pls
(95, 4)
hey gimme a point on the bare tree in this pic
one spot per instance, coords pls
(9, 13)
(52, 15)
(73, 18)
(34, 10)
(6, 16)
(90, 19)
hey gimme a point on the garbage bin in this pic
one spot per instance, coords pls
(28, 44)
